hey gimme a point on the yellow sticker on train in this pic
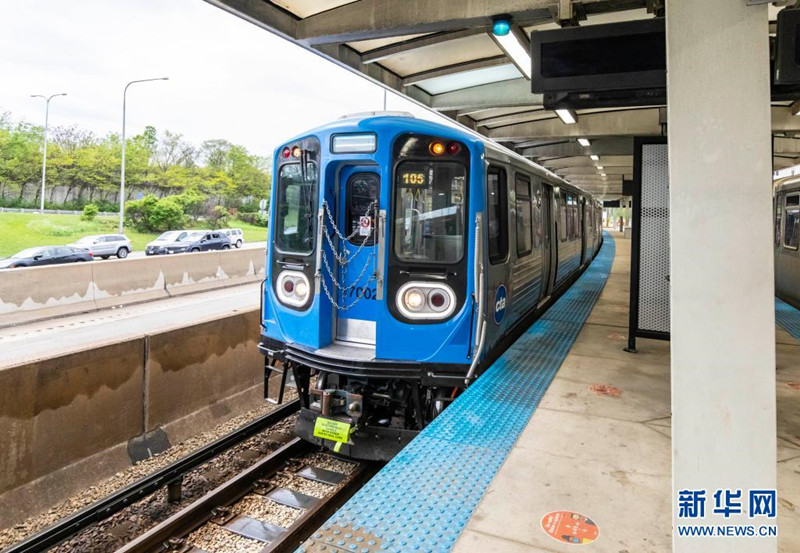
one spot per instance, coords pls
(328, 429)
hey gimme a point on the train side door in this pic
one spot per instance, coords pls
(357, 255)
(546, 200)
(584, 228)
(498, 270)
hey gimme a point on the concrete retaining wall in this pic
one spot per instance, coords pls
(66, 422)
(39, 293)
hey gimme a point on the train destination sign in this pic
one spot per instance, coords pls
(413, 178)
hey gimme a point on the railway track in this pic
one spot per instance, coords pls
(269, 508)
(169, 476)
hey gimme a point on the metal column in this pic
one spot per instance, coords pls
(722, 308)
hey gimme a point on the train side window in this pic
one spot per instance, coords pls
(524, 216)
(791, 225)
(778, 213)
(570, 218)
(497, 214)
(537, 216)
(562, 219)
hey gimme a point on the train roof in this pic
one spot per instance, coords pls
(786, 183)
(368, 121)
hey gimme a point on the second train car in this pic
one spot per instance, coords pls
(404, 256)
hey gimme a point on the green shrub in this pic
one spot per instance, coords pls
(166, 214)
(253, 219)
(137, 212)
(90, 212)
(192, 203)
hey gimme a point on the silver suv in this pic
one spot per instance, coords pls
(235, 234)
(105, 245)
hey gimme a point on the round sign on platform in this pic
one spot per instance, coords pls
(569, 527)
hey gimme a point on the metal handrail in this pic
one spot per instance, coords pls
(479, 277)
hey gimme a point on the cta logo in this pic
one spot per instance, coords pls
(500, 298)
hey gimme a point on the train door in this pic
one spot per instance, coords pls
(583, 226)
(357, 255)
(498, 269)
(547, 242)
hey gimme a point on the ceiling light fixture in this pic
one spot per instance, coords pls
(584, 142)
(594, 157)
(513, 43)
(567, 116)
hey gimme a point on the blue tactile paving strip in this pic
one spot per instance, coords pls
(788, 317)
(422, 500)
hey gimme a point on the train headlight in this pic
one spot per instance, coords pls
(426, 300)
(414, 299)
(293, 288)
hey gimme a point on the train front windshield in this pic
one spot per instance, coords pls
(429, 221)
(297, 193)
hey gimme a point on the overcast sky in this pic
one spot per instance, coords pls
(228, 78)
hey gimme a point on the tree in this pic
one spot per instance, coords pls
(174, 150)
(218, 217)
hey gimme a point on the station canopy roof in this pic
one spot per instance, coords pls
(442, 54)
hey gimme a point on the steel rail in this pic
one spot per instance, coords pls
(104, 508)
(201, 511)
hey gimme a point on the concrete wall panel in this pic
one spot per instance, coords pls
(242, 266)
(115, 284)
(191, 368)
(191, 272)
(42, 292)
(57, 411)
(87, 402)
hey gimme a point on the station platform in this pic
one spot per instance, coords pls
(565, 423)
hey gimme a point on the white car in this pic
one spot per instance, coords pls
(105, 245)
(235, 234)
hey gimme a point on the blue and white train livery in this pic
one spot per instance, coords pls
(404, 256)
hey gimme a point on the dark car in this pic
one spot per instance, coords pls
(200, 242)
(159, 245)
(45, 255)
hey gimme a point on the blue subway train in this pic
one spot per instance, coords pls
(403, 257)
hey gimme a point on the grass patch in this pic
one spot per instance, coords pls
(26, 230)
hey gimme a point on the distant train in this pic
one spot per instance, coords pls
(404, 256)
(786, 201)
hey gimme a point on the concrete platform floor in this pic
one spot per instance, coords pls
(608, 456)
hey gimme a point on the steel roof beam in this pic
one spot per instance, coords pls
(369, 19)
(586, 161)
(384, 52)
(638, 122)
(597, 146)
(594, 171)
(263, 14)
(494, 61)
(503, 94)
(512, 118)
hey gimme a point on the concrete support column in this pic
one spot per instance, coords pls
(723, 321)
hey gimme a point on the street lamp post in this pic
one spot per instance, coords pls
(46, 126)
(122, 171)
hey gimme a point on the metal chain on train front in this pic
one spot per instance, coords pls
(344, 258)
